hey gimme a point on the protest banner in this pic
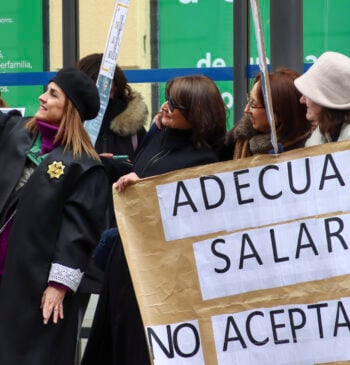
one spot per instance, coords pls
(244, 262)
(108, 65)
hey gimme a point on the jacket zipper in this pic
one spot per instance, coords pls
(155, 159)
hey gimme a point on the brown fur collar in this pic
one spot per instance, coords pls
(133, 118)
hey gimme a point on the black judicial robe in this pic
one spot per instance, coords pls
(58, 219)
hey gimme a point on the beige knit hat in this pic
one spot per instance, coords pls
(327, 81)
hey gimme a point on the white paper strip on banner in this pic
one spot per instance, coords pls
(255, 196)
(265, 81)
(108, 65)
(303, 334)
(273, 256)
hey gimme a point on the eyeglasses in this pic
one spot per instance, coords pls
(173, 105)
(252, 104)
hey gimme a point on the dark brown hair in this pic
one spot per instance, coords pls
(290, 114)
(204, 108)
(91, 66)
(331, 120)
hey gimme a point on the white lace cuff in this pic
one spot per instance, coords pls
(66, 276)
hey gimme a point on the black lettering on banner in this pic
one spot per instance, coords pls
(181, 187)
(274, 248)
(169, 352)
(243, 256)
(308, 178)
(261, 183)
(336, 173)
(173, 341)
(231, 323)
(220, 255)
(300, 246)
(197, 341)
(336, 233)
(292, 321)
(341, 311)
(239, 187)
(204, 192)
(275, 326)
(318, 307)
(249, 332)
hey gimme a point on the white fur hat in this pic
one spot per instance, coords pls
(327, 81)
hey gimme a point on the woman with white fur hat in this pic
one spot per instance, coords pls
(326, 94)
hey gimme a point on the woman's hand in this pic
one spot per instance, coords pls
(125, 181)
(158, 117)
(106, 155)
(52, 304)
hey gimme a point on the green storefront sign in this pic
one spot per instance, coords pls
(21, 49)
(199, 33)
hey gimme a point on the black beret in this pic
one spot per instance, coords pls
(81, 91)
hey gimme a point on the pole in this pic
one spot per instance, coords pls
(70, 32)
(240, 56)
(286, 34)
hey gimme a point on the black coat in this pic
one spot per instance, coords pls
(57, 220)
(117, 336)
(121, 132)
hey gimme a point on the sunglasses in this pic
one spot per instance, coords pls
(173, 105)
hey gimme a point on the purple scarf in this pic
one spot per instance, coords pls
(48, 133)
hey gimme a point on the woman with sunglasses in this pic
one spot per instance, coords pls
(187, 135)
(252, 134)
(193, 127)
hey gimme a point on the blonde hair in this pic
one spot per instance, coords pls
(71, 133)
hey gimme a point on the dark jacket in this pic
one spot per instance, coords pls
(117, 336)
(121, 133)
(169, 150)
(57, 220)
(123, 126)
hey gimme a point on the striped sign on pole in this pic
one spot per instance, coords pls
(108, 65)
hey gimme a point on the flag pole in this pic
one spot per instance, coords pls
(265, 80)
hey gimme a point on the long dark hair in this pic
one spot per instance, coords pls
(204, 108)
(330, 120)
(290, 114)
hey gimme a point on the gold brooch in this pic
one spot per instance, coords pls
(55, 170)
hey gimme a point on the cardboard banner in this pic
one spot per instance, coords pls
(244, 262)
(108, 65)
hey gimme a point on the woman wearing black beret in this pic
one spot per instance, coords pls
(52, 205)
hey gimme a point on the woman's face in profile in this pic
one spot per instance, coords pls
(52, 103)
(173, 115)
(312, 109)
(256, 111)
